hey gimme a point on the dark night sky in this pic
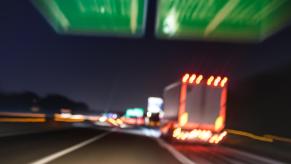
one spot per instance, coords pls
(116, 73)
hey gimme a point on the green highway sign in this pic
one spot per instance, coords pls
(134, 112)
(95, 17)
(227, 20)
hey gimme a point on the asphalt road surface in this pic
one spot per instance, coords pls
(89, 145)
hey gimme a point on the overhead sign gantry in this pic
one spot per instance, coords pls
(95, 17)
(228, 20)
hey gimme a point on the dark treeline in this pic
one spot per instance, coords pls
(262, 103)
(31, 102)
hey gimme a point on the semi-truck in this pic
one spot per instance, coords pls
(195, 109)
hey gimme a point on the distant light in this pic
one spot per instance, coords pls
(199, 79)
(149, 114)
(112, 121)
(65, 115)
(210, 80)
(12, 114)
(192, 78)
(185, 78)
(102, 119)
(111, 115)
(119, 121)
(216, 81)
(11, 119)
(77, 117)
(93, 118)
(224, 81)
(114, 115)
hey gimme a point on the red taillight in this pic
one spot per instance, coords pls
(210, 80)
(217, 80)
(199, 79)
(223, 82)
(185, 78)
(192, 78)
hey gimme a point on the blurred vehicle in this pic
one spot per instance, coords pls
(154, 111)
(153, 119)
(195, 109)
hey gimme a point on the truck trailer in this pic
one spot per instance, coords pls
(195, 109)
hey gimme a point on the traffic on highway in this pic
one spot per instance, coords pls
(145, 82)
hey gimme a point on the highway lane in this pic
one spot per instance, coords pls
(120, 148)
(26, 148)
(113, 148)
(90, 145)
(207, 154)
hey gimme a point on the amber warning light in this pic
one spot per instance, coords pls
(213, 81)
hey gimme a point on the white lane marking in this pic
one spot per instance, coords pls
(58, 154)
(252, 156)
(179, 156)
